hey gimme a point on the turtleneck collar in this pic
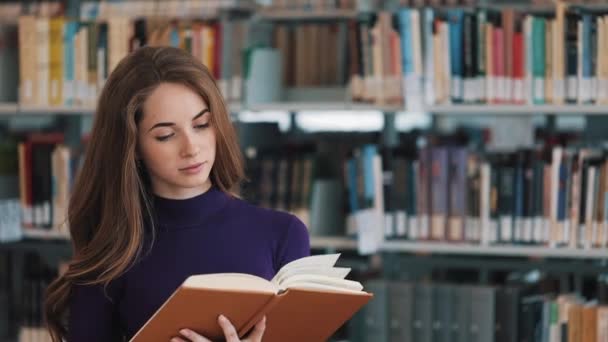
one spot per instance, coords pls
(191, 211)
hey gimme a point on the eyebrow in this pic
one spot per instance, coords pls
(169, 124)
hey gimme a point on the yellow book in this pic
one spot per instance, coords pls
(208, 45)
(559, 56)
(56, 61)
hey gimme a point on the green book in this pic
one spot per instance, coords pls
(538, 58)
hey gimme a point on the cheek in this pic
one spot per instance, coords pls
(211, 142)
(156, 157)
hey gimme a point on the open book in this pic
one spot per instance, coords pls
(307, 300)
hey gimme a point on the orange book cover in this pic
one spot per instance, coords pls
(308, 300)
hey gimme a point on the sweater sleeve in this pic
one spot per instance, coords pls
(93, 314)
(295, 244)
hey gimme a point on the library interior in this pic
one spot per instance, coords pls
(454, 153)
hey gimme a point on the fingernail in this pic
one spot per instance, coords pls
(184, 332)
(264, 319)
(222, 318)
(174, 340)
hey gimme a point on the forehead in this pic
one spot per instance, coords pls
(172, 102)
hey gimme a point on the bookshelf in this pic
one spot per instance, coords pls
(9, 108)
(523, 110)
(44, 235)
(349, 244)
(299, 15)
(477, 255)
(333, 242)
(339, 243)
(504, 251)
(321, 106)
(42, 110)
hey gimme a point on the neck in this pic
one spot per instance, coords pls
(182, 193)
(192, 211)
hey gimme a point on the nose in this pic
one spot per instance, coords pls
(189, 147)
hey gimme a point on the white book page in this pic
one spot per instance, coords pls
(306, 280)
(334, 272)
(230, 281)
(319, 261)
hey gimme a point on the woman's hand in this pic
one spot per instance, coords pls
(229, 333)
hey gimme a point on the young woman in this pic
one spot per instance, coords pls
(154, 204)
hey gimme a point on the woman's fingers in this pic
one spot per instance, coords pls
(191, 336)
(258, 331)
(229, 331)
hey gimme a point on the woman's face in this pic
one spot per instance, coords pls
(176, 142)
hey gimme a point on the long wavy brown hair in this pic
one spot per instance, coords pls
(111, 199)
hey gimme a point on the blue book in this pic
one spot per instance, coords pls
(368, 154)
(405, 31)
(428, 56)
(351, 166)
(456, 23)
(70, 30)
(174, 36)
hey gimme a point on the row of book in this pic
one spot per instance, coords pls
(45, 174)
(410, 56)
(363, 5)
(282, 183)
(24, 310)
(314, 5)
(94, 10)
(313, 54)
(425, 312)
(437, 56)
(552, 196)
(66, 62)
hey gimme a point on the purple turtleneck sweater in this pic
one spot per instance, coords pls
(209, 233)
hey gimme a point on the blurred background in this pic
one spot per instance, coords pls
(453, 151)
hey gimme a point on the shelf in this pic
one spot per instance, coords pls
(11, 109)
(350, 244)
(33, 233)
(287, 14)
(14, 109)
(51, 110)
(344, 243)
(584, 109)
(320, 106)
(333, 242)
(8, 108)
(507, 251)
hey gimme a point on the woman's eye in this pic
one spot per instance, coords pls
(205, 125)
(164, 137)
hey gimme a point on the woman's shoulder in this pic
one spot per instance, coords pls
(255, 213)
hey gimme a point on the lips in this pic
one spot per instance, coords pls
(191, 167)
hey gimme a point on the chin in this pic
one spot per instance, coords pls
(193, 183)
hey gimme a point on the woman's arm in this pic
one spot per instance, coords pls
(92, 315)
